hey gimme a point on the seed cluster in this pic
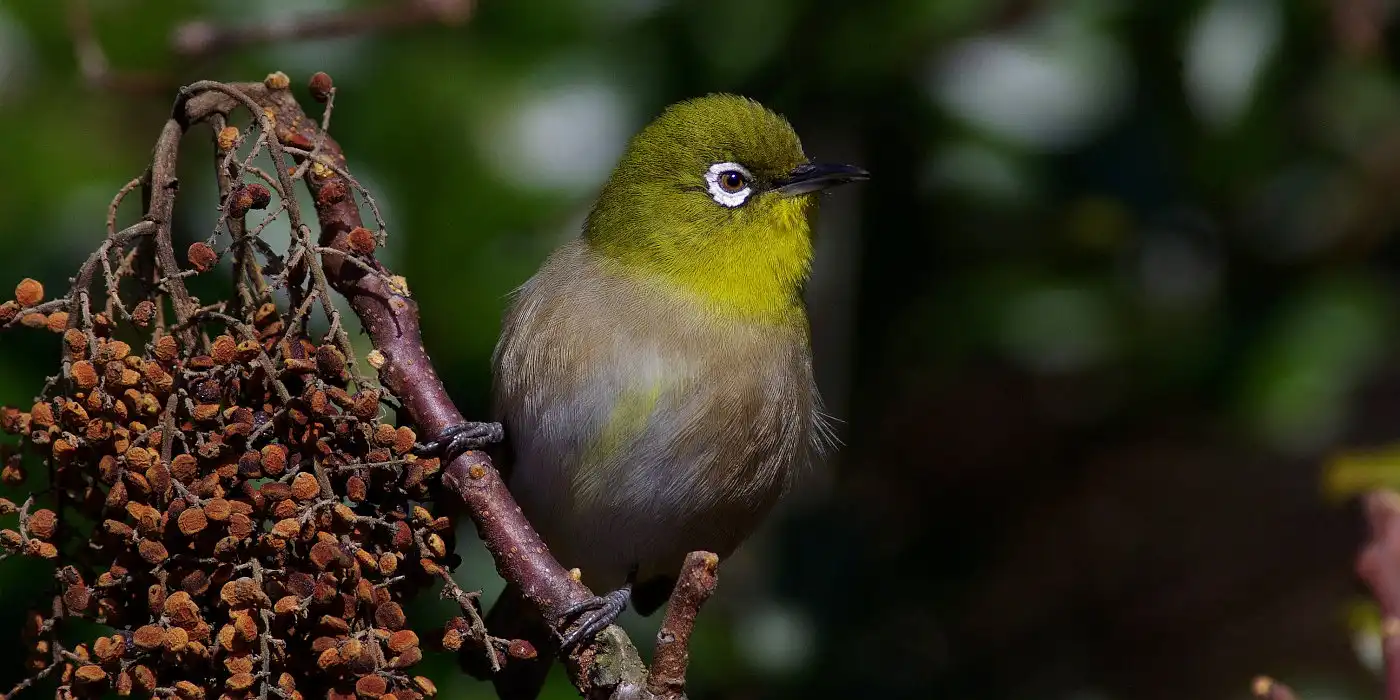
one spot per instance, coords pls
(238, 538)
(221, 488)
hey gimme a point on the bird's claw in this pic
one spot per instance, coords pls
(594, 615)
(459, 438)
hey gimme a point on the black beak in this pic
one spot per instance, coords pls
(812, 177)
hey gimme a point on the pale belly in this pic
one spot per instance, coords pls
(673, 492)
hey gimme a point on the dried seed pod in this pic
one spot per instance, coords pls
(402, 641)
(305, 487)
(361, 241)
(58, 321)
(111, 351)
(192, 521)
(371, 687)
(153, 552)
(202, 257)
(149, 637)
(321, 86)
(390, 616)
(224, 351)
(43, 524)
(274, 460)
(84, 375)
(29, 292)
(144, 313)
(167, 350)
(176, 639)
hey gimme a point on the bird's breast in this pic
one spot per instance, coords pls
(641, 428)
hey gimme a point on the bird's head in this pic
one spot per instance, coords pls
(714, 196)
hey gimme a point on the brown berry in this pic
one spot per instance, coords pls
(371, 687)
(43, 524)
(402, 641)
(149, 637)
(58, 321)
(29, 293)
(153, 552)
(192, 521)
(84, 375)
(361, 241)
(274, 460)
(305, 487)
(202, 257)
(228, 138)
(167, 349)
(224, 351)
(390, 616)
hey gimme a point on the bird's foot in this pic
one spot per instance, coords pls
(593, 617)
(458, 439)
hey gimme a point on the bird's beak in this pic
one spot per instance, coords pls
(812, 177)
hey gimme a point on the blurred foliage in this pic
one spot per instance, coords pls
(1123, 267)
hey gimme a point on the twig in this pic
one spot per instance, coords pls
(203, 38)
(1379, 566)
(693, 588)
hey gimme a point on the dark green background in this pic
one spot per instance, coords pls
(1124, 279)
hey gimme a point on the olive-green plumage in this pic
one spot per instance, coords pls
(654, 377)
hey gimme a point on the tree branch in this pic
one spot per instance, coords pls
(693, 588)
(203, 38)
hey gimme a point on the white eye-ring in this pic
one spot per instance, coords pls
(730, 183)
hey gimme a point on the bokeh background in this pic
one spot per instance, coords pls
(1111, 333)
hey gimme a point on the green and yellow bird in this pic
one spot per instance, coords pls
(654, 378)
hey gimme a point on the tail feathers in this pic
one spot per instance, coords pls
(514, 617)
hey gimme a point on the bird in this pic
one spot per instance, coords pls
(653, 379)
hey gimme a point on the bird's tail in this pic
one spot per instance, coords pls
(514, 617)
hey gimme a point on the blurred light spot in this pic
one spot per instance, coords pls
(978, 170)
(1049, 86)
(1056, 330)
(775, 639)
(566, 137)
(16, 55)
(1311, 361)
(1225, 53)
(1369, 650)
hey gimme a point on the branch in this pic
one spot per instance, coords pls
(610, 665)
(202, 38)
(1379, 566)
(693, 588)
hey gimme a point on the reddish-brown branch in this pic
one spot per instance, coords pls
(693, 588)
(1379, 566)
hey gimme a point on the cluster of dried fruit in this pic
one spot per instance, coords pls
(237, 516)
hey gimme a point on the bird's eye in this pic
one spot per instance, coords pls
(732, 181)
(730, 184)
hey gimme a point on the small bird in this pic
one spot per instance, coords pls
(654, 377)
